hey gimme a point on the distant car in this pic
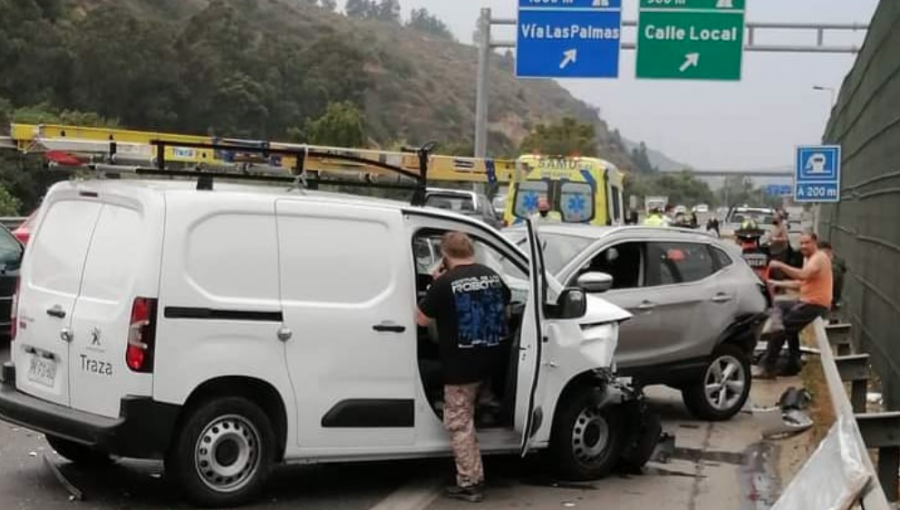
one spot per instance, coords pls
(469, 203)
(701, 209)
(23, 231)
(681, 209)
(11, 251)
(763, 216)
(697, 307)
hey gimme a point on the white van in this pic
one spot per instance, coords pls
(227, 331)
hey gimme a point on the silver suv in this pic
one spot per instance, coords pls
(697, 306)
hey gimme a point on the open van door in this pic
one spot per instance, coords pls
(529, 388)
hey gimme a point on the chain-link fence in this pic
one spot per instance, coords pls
(865, 226)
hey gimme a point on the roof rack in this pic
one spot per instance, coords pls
(116, 151)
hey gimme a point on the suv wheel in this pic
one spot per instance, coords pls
(724, 388)
(223, 453)
(79, 453)
(587, 440)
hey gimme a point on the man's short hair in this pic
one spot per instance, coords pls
(457, 245)
(812, 235)
(825, 245)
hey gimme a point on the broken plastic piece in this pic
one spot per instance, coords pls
(75, 493)
(665, 448)
(792, 398)
(775, 422)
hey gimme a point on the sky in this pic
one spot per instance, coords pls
(751, 124)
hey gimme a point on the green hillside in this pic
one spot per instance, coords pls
(265, 68)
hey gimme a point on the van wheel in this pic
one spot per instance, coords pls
(724, 388)
(223, 452)
(587, 440)
(78, 453)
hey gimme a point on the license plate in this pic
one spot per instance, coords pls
(42, 371)
(756, 261)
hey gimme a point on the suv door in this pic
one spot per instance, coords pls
(347, 296)
(626, 262)
(689, 302)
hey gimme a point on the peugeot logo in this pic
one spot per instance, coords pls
(95, 336)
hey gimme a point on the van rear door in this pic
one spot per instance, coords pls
(51, 281)
(122, 264)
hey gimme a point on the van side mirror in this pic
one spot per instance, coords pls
(572, 304)
(595, 283)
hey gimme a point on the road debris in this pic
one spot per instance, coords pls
(75, 493)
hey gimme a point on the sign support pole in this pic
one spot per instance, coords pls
(481, 105)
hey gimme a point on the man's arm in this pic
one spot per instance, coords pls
(785, 284)
(810, 270)
(422, 319)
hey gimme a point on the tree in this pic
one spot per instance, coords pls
(422, 20)
(565, 138)
(641, 159)
(360, 9)
(9, 205)
(389, 11)
(341, 126)
(329, 5)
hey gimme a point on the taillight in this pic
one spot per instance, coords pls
(14, 313)
(141, 335)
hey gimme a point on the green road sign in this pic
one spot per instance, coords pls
(691, 39)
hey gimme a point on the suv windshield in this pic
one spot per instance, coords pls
(558, 249)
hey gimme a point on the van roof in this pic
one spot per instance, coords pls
(229, 190)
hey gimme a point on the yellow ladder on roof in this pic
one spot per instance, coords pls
(137, 147)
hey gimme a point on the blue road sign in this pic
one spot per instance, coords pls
(568, 38)
(779, 190)
(817, 177)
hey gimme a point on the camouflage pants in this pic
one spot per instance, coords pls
(459, 418)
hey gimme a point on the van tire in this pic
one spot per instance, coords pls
(578, 421)
(695, 395)
(78, 453)
(236, 467)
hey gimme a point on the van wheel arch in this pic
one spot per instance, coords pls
(257, 390)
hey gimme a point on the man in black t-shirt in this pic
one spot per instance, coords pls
(468, 301)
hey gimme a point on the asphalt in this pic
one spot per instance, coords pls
(715, 466)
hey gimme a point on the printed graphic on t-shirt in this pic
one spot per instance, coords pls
(480, 308)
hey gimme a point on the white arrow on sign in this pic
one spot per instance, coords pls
(690, 60)
(569, 57)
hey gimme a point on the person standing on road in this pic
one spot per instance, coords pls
(468, 301)
(815, 282)
(655, 219)
(545, 213)
(838, 270)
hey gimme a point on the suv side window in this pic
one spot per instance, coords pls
(623, 262)
(722, 259)
(671, 263)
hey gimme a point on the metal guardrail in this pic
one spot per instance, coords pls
(879, 431)
(11, 222)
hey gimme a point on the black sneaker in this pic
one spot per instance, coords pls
(472, 493)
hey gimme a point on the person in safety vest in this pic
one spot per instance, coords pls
(655, 219)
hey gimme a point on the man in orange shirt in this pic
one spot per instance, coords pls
(814, 281)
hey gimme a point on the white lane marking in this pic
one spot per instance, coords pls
(416, 495)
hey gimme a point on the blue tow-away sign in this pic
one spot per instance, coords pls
(817, 175)
(568, 38)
